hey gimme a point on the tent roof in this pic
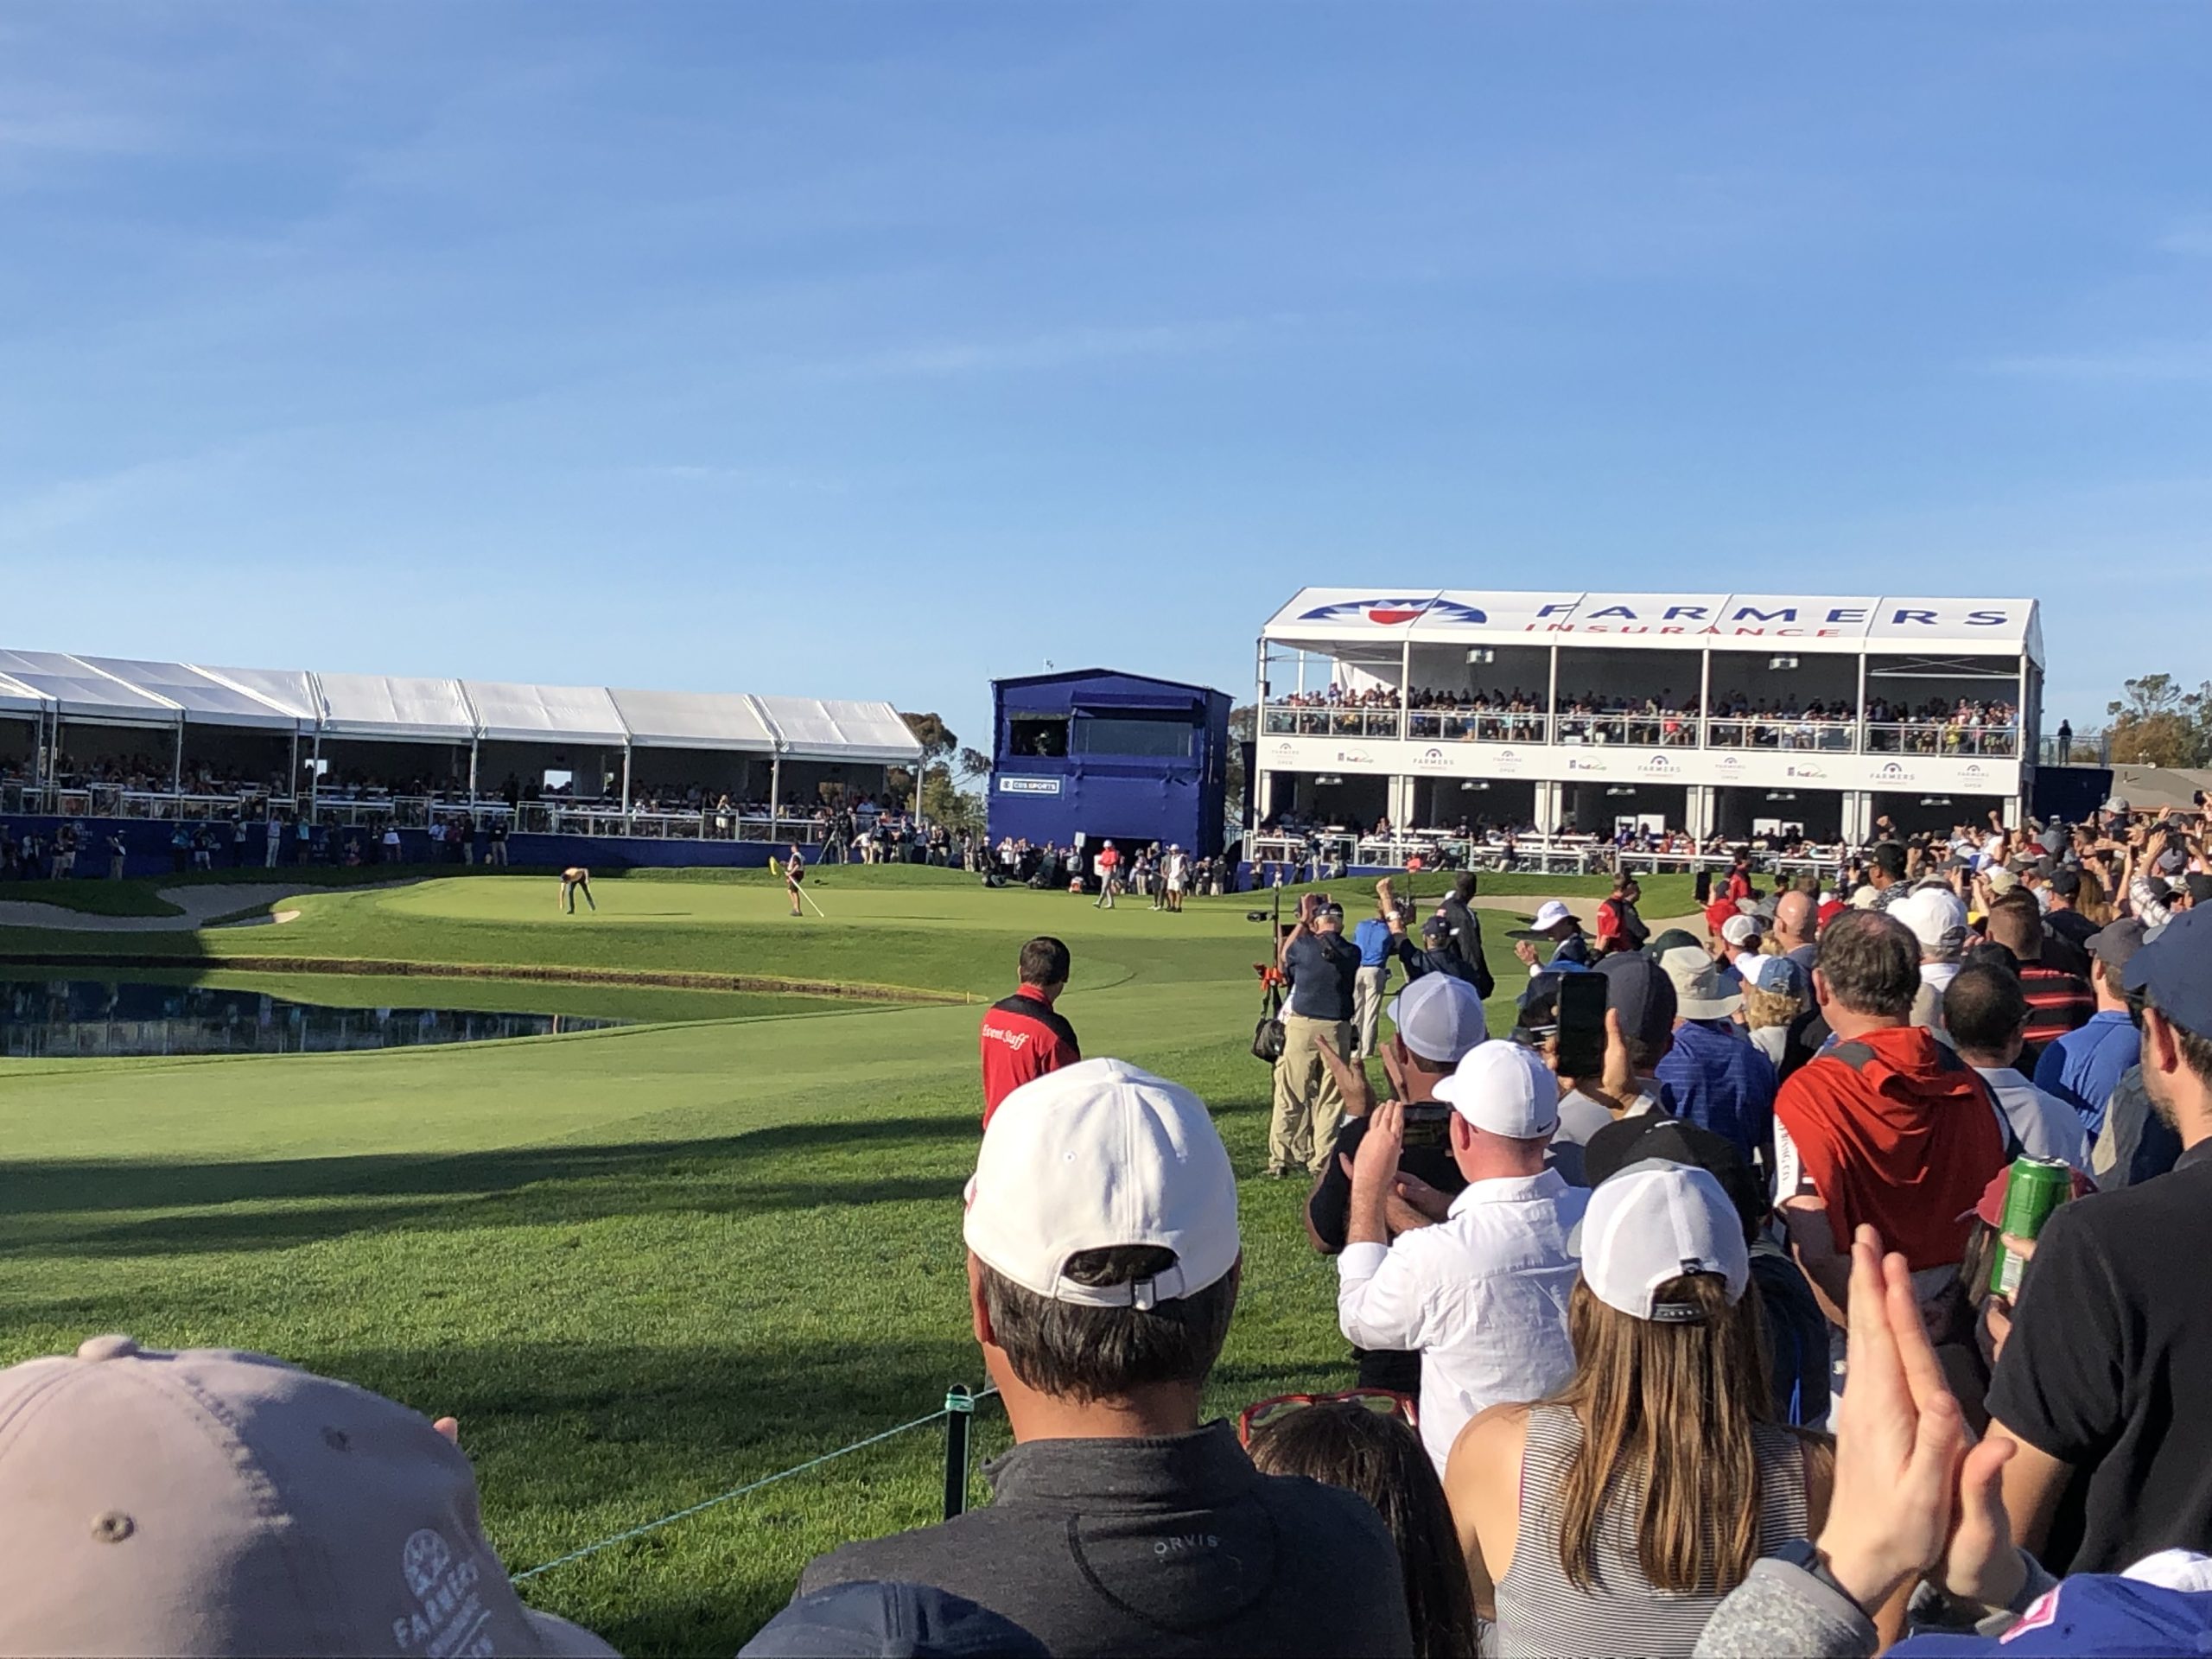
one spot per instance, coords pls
(1801, 621)
(199, 697)
(134, 691)
(78, 689)
(694, 720)
(815, 730)
(544, 714)
(384, 705)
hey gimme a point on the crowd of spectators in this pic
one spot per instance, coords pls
(1731, 719)
(1698, 1353)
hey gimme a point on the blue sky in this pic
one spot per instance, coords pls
(874, 351)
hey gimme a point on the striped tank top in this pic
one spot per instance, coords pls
(1540, 1611)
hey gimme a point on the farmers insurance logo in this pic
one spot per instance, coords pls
(1893, 773)
(1432, 757)
(1389, 613)
(1729, 763)
(1657, 767)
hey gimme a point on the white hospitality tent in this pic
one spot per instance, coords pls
(441, 728)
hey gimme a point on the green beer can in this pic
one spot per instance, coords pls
(2035, 1187)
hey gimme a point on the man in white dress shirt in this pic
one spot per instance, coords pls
(1483, 1294)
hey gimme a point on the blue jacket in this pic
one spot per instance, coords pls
(1722, 1082)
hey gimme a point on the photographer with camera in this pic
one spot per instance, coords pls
(1438, 1019)
(1320, 966)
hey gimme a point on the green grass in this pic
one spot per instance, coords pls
(646, 1265)
(92, 898)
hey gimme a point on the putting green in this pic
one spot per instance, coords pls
(643, 1266)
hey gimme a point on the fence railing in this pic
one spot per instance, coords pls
(1923, 737)
(957, 1414)
(1784, 733)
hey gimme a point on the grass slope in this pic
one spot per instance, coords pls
(642, 1266)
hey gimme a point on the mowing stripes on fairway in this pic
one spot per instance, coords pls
(938, 1416)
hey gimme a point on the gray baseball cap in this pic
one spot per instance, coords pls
(209, 1502)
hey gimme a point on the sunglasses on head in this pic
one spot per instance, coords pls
(1383, 1402)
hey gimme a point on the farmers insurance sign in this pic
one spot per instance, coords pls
(1985, 625)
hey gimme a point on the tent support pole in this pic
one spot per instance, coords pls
(625, 786)
(775, 792)
(314, 778)
(471, 769)
(292, 778)
(177, 772)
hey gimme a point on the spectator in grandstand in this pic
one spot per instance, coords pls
(1937, 921)
(1438, 1020)
(2084, 1066)
(1467, 932)
(1103, 1267)
(2058, 1002)
(210, 1502)
(1361, 1446)
(1620, 926)
(1024, 1036)
(2098, 1382)
(1718, 1079)
(1321, 965)
(1481, 1295)
(1885, 1127)
(1614, 1514)
(1555, 922)
(1985, 1013)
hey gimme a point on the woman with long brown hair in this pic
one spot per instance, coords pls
(1613, 1516)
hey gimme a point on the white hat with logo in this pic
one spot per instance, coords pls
(1504, 1088)
(1440, 1017)
(1655, 1221)
(1096, 1156)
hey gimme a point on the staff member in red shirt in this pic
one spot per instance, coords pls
(1023, 1037)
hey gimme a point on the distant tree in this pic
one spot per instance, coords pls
(972, 763)
(932, 734)
(2159, 724)
(944, 802)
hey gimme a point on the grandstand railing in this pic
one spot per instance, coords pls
(1299, 856)
(1645, 731)
(1281, 721)
(1931, 737)
(1484, 727)
(1765, 732)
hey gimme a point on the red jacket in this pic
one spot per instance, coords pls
(1022, 1039)
(1896, 1130)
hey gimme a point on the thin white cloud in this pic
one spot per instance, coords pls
(2189, 236)
(749, 478)
(2171, 362)
(1065, 348)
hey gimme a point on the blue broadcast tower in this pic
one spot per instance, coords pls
(1115, 757)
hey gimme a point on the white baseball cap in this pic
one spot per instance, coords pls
(1936, 916)
(1094, 1156)
(1739, 930)
(1438, 1017)
(1653, 1221)
(1503, 1088)
(1767, 973)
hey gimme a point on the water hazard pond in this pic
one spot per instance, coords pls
(151, 1013)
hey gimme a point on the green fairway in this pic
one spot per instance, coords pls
(643, 1266)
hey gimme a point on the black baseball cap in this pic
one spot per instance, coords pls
(2116, 943)
(2199, 885)
(1672, 938)
(2175, 969)
(1639, 992)
(1654, 1134)
(2067, 883)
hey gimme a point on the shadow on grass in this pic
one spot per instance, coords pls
(280, 1202)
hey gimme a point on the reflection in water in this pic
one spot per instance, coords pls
(63, 1018)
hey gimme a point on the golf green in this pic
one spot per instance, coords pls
(643, 1266)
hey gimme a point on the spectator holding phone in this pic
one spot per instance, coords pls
(1438, 1021)
(1482, 1295)
(1322, 967)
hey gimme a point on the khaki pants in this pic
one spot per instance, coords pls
(1367, 1006)
(1308, 1110)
